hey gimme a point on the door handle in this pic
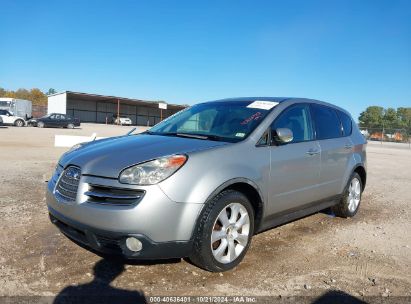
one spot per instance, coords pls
(348, 146)
(313, 152)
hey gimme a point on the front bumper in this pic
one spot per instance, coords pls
(114, 242)
(154, 218)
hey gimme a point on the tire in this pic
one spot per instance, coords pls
(70, 126)
(19, 123)
(217, 220)
(351, 200)
(40, 124)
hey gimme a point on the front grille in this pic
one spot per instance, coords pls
(67, 185)
(113, 196)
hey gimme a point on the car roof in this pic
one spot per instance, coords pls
(250, 99)
(279, 100)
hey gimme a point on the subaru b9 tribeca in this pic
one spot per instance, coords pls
(201, 183)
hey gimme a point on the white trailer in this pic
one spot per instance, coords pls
(19, 107)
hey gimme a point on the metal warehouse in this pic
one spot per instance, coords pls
(102, 109)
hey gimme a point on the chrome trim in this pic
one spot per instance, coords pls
(112, 196)
(107, 195)
(62, 198)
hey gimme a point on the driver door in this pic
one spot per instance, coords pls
(295, 166)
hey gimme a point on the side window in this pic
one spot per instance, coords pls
(346, 123)
(327, 123)
(53, 117)
(2, 112)
(297, 119)
(62, 116)
(264, 140)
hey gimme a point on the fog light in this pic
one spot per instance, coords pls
(133, 244)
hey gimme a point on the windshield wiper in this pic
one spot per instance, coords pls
(200, 136)
(131, 131)
(189, 135)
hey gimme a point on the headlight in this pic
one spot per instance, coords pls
(152, 172)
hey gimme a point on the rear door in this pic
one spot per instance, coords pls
(295, 166)
(63, 121)
(335, 148)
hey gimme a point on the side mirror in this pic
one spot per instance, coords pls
(283, 135)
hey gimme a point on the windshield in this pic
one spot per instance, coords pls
(226, 121)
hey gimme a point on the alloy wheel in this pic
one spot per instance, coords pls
(354, 194)
(231, 233)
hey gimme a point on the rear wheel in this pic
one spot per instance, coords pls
(40, 124)
(70, 126)
(224, 232)
(19, 123)
(350, 202)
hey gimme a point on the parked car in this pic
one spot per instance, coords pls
(122, 120)
(201, 183)
(9, 118)
(55, 120)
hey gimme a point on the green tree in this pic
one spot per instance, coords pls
(372, 117)
(51, 91)
(390, 119)
(404, 117)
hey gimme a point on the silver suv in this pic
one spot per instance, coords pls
(201, 183)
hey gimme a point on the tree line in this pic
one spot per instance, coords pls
(36, 96)
(390, 118)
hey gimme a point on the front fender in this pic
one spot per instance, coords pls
(206, 174)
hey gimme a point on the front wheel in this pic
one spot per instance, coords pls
(70, 126)
(19, 123)
(40, 124)
(350, 202)
(224, 232)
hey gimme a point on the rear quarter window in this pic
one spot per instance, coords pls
(346, 123)
(327, 123)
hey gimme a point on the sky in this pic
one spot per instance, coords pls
(352, 53)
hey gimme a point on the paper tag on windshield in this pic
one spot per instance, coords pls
(262, 104)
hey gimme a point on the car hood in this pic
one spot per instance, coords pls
(108, 157)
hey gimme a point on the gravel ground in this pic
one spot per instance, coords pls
(368, 255)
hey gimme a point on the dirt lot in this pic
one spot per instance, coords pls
(369, 255)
